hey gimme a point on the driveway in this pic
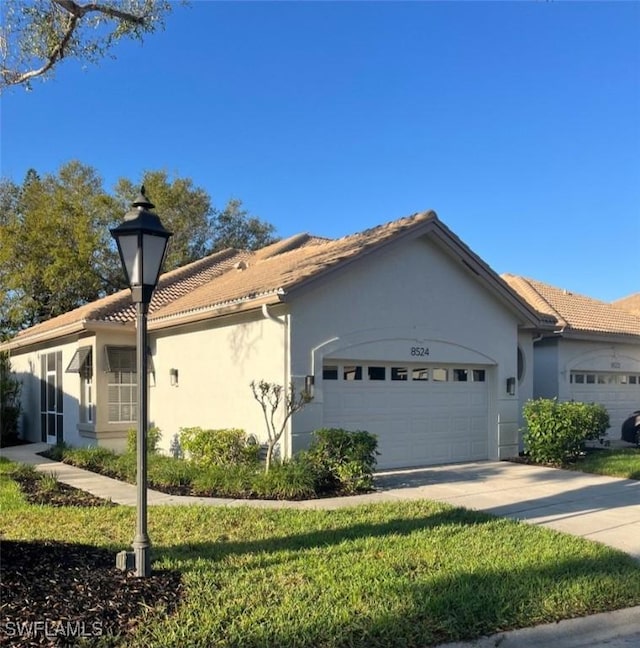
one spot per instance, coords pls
(604, 509)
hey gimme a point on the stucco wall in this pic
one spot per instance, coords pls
(525, 384)
(216, 363)
(384, 304)
(545, 368)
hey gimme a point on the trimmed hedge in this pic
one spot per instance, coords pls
(556, 432)
(222, 447)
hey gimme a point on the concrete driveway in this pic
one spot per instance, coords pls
(604, 509)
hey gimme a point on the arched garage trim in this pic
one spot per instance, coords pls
(382, 345)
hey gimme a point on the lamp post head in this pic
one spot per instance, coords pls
(142, 244)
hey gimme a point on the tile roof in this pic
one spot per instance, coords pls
(574, 312)
(118, 308)
(278, 268)
(630, 304)
(234, 279)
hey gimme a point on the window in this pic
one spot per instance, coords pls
(578, 378)
(82, 364)
(352, 372)
(420, 374)
(122, 384)
(460, 375)
(330, 372)
(478, 375)
(591, 379)
(51, 401)
(439, 375)
(399, 373)
(520, 365)
(633, 380)
(377, 373)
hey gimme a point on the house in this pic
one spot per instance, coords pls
(401, 330)
(593, 355)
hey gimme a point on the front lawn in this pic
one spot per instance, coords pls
(408, 574)
(614, 463)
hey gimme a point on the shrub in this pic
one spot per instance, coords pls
(168, 471)
(124, 467)
(556, 432)
(153, 440)
(288, 480)
(94, 459)
(225, 447)
(225, 481)
(342, 460)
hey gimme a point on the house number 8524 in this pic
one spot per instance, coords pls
(419, 351)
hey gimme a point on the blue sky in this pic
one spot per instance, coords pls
(517, 122)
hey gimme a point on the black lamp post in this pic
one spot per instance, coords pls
(142, 244)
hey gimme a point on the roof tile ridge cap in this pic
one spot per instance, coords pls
(390, 228)
(528, 282)
(289, 244)
(527, 292)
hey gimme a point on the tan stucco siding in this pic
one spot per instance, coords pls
(216, 362)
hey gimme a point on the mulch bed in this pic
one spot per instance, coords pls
(62, 594)
(62, 495)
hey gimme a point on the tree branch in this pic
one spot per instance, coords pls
(56, 55)
(79, 11)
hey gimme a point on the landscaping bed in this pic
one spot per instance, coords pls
(408, 575)
(59, 593)
(222, 465)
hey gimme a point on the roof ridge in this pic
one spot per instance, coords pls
(526, 284)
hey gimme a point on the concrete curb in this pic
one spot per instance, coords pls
(611, 629)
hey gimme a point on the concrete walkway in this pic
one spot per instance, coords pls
(603, 509)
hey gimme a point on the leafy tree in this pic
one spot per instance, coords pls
(35, 36)
(235, 227)
(271, 397)
(56, 251)
(10, 389)
(184, 210)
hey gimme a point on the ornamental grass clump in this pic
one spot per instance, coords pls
(556, 432)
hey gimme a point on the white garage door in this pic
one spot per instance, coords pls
(422, 414)
(618, 392)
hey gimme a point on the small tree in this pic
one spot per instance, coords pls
(9, 402)
(271, 396)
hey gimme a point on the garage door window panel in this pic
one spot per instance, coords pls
(330, 372)
(377, 373)
(352, 372)
(420, 374)
(440, 375)
(399, 373)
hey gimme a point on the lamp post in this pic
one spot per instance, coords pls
(142, 245)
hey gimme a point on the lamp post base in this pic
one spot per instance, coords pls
(138, 560)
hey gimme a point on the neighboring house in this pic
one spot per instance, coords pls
(593, 355)
(401, 329)
(630, 304)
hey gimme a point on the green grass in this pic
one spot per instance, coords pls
(406, 574)
(614, 463)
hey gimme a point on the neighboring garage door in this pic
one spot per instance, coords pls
(619, 392)
(422, 414)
